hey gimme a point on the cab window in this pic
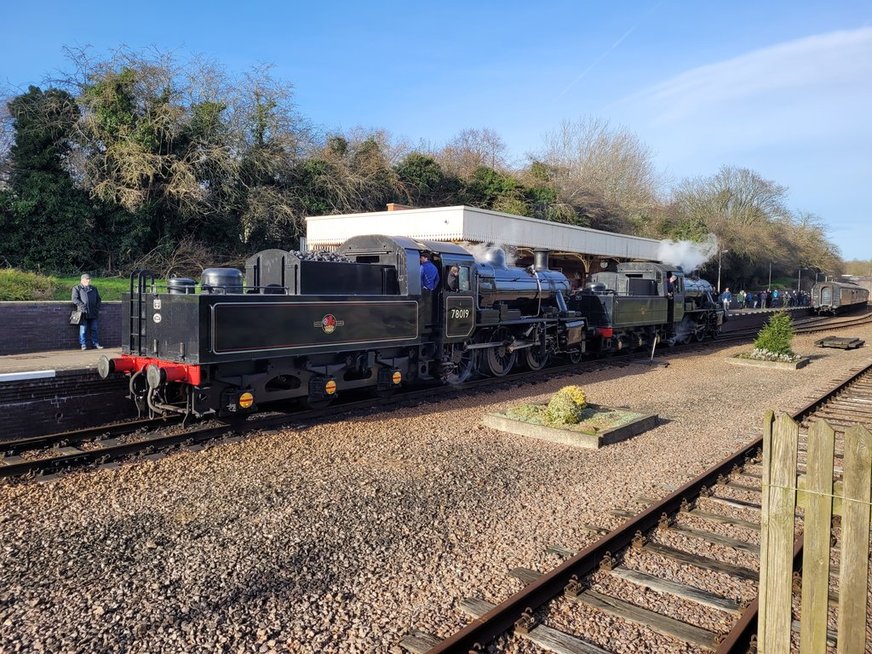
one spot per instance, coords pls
(464, 278)
(456, 278)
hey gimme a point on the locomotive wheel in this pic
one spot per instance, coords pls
(498, 360)
(699, 333)
(533, 360)
(465, 362)
(574, 356)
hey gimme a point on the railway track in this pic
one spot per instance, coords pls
(42, 455)
(804, 325)
(622, 583)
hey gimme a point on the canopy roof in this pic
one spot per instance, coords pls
(478, 226)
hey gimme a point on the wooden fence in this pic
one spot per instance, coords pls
(826, 489)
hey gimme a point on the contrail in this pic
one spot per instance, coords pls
(609, 49)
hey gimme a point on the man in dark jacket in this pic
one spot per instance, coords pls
(87, 300)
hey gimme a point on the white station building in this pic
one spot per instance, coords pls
(569, 245)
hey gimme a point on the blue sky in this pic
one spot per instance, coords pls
(784, 88)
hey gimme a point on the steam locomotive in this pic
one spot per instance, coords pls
(307, 327)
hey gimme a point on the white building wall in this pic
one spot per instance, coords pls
(478, 225)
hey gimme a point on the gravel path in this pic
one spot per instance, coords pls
(343, 536)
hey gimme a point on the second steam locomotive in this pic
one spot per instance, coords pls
(305, 327)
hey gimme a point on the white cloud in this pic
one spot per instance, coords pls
(796, 112)
(783, 72)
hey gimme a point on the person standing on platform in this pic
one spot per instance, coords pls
(87, 300)
(726, 299)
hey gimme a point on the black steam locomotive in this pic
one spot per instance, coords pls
(302, 326)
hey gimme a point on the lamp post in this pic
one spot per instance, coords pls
(720, 256)
(769, 288)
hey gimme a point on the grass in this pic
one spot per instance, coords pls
(110, 288)
(18, 285)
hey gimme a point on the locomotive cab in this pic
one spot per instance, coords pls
(456, 297)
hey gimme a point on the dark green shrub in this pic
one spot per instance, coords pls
(777, 335)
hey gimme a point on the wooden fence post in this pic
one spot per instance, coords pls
(818, 504)
(854, 561)
(768, 424)
(779, 540)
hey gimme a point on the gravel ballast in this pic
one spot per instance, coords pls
(342, 537)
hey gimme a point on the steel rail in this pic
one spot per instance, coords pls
(83, 435)
(13, 466)
(105, 449)
(514, 610)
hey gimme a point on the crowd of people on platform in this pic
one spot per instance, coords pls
(765, 299)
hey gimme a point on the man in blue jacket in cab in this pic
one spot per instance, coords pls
(429, 273)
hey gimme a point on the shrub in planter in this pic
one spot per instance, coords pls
(775, 339)
(566, 406)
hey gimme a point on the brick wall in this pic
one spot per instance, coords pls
(40, 326)
(73, 400)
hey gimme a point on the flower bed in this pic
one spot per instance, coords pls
(569, 419)
(772, 348)
(794, 363)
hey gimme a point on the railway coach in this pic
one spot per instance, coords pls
(837, 297)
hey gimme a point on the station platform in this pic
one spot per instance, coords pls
(37, 365)
(49, 392)
(796, 311)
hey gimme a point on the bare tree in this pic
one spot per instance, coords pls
(750, 217)
(736, 196)
(471, 149)
(594, 166)
(813, 248)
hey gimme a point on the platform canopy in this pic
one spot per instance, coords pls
(478, 226)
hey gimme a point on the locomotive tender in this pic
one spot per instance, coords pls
(306, 327)
(835, 297)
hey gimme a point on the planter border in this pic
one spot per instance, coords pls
(572, 437)
(779, 365)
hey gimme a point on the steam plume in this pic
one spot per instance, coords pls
(479, 251)
(690, 255)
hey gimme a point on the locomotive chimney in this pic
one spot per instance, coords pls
(540, 259)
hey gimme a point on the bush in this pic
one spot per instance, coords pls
(23, 286)
(776, 336)
(566, 406)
